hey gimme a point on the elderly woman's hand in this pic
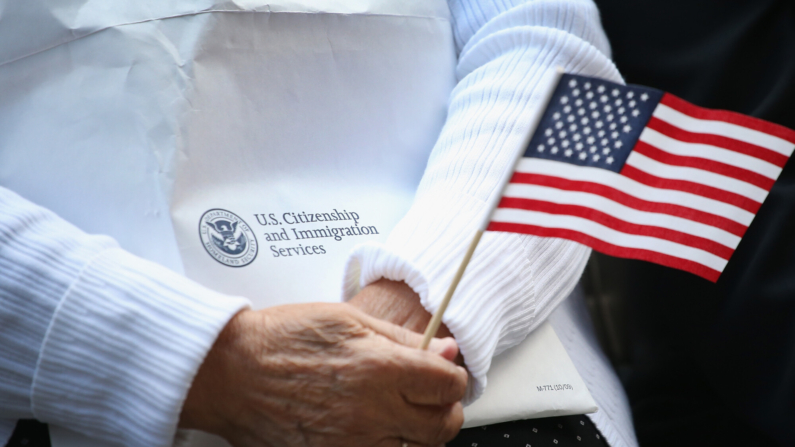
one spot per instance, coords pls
(325, 375)
(396, 302)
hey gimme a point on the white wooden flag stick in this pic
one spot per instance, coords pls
(436, 321)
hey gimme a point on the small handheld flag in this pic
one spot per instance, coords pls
(638, 173)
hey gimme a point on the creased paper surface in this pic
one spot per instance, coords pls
(137, 119)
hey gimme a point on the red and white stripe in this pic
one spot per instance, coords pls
(686, 195)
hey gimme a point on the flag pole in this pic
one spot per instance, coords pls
(436, 320)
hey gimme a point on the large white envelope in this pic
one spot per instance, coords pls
(248, 145)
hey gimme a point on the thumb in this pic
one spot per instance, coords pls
(431, 378)
(445, 347)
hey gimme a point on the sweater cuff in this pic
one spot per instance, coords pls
(123, 348)
(495, 304)
(40, 257)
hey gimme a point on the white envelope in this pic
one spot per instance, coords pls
(268, 113)
(534, 379)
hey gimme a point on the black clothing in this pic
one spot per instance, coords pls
(563, 431)
(714, 364)
(30, 433)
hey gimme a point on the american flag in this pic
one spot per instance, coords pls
(638, 173)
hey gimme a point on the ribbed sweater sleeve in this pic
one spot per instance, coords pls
(508, 51)
(93, 338)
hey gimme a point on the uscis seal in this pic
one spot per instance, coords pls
(227, 238)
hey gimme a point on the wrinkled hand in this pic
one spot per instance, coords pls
(325, 375)
(397, 303)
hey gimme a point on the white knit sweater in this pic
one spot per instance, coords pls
(507, 54)
(93, 338)
(64, 294)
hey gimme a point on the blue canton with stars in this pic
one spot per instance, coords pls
(592, 122)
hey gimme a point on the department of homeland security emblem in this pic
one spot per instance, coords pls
(227, 238)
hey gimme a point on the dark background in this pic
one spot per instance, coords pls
(709, 364)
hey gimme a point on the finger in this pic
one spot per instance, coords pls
(426, 386)
(432, 425)
(427, 379)
(445, 347)
(407, 337)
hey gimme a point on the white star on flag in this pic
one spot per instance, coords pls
(681, 194)
(674, 184)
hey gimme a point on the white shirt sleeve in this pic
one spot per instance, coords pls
(508, 51)
(93, 338)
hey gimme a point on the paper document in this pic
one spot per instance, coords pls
(247, 144)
